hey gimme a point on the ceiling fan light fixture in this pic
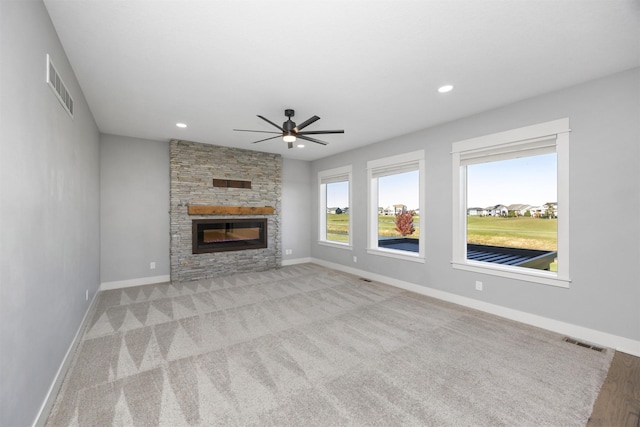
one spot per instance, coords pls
(289, 138)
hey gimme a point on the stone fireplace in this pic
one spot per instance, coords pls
(229, 216)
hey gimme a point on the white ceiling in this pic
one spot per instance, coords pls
(371, 68)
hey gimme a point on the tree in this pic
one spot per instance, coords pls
(549, 210)
(338, 211)
(404, 223)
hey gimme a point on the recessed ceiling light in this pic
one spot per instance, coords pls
(181, 125)
(445, 88)
(300, 145)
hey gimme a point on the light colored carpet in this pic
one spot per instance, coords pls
(305, 345)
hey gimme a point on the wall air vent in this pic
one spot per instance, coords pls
(59, 88)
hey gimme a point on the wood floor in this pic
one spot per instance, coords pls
(618, 404)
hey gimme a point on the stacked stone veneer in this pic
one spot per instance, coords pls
(193, 167)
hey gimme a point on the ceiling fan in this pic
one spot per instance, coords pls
(289, 131)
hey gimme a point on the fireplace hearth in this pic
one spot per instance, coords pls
(221, 235)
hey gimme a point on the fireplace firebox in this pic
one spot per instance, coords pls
(219, 235)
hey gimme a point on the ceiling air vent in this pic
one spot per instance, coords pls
(59, 88)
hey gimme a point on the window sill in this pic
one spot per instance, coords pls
(518, 273)
(391, 253)
(335, 244)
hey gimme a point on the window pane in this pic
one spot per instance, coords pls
(512, 212)
(338, 211)
(398, 198)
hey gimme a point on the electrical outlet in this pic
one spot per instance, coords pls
(86, 295)
(478, 285)
(152, 265)
(355, 259)
(288, 251)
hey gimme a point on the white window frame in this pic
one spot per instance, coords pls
(390, 166)
(521, 142)
(325, 177)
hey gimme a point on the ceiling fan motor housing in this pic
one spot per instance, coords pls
(289, 126)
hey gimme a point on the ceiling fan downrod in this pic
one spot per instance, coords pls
(289, 126)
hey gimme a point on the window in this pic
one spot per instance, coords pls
(335, 206)
(396, 206)
(511, 205)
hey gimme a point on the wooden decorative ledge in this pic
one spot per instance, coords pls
(230, 210)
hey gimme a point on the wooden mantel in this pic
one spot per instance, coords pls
(230, 210)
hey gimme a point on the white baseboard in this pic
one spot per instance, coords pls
(105, 286)
(592, 336)
(286, 262)
(52, 393)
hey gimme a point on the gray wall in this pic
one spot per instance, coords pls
(134, 208)
(134, 195)
(296, 209)
(604, 197)
(49, 214)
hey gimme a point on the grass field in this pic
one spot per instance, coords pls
(529, 233)
(522, 232)
(338, 227)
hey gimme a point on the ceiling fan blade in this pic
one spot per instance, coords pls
(271, 123)
(266, 139)
(306, 123)
(260, 131)
(320, 132)
(317, 141)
